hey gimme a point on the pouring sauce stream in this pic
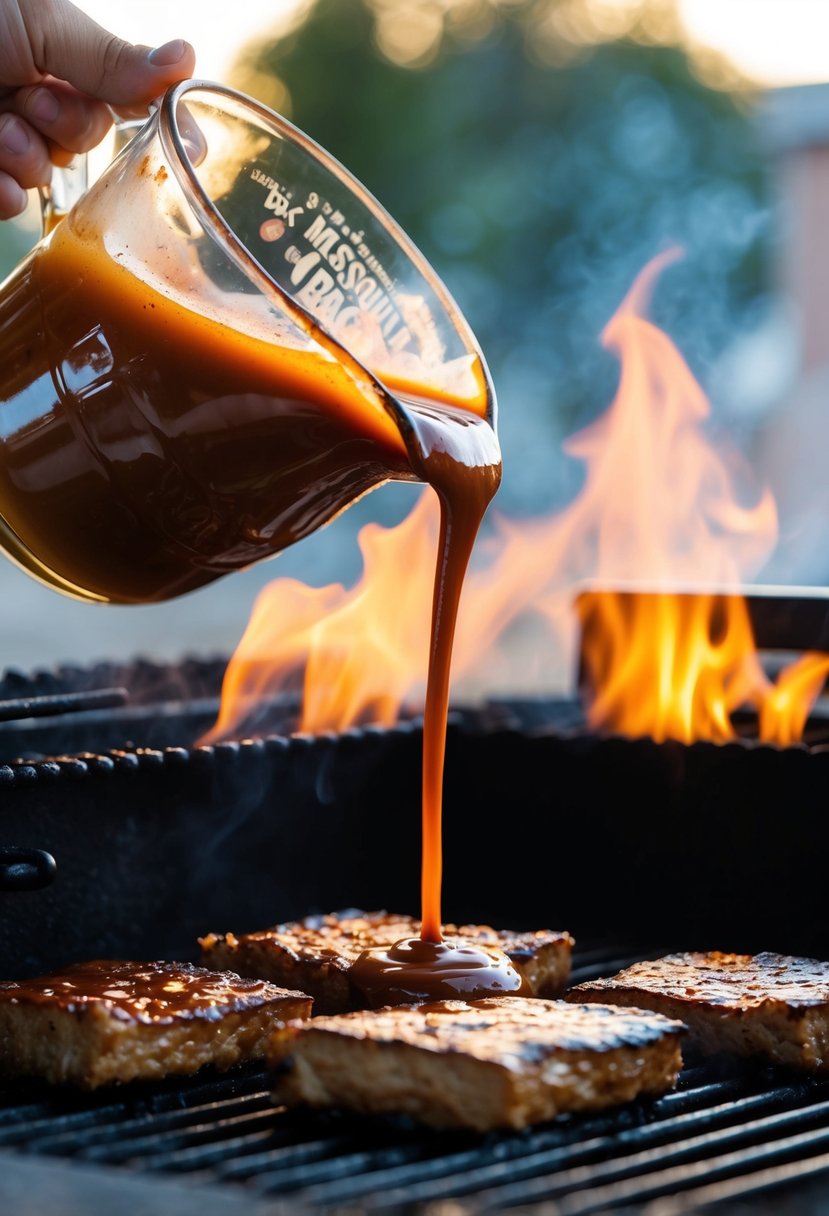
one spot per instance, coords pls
(458, 455)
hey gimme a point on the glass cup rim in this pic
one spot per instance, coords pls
(174, 146)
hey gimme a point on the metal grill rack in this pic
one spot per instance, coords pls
(729, 1132)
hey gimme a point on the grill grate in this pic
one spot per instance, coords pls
(728, 1131)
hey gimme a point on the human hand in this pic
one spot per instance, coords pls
(59, 72)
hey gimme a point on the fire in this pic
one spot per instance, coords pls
(663, 509)
(668, 666)
(785, 706)
(660, 508)
(355, 653)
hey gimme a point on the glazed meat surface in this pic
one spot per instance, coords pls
(317, 953)
(503, 1062)
(108, 1021)
(769, 1005)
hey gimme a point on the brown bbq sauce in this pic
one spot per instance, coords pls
(146, 450)
(414, 970)
(144, 992)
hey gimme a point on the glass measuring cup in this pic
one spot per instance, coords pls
(213, 354)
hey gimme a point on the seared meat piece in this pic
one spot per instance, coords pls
(497, 1062)
(316, 954)
(101, 1022)
(764, 1004)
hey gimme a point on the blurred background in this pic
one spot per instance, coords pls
(539, 152)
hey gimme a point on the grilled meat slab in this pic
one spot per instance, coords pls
(502, 1062)
(767, 1005)
(317, 953)
(102, 1022)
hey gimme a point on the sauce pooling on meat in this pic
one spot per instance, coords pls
(452, 969)
(144, 992)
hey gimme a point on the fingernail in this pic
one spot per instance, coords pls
(15, 137)
(43, 106)
(168, 54)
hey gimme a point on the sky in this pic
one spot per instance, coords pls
(217, 30)
(775, 42)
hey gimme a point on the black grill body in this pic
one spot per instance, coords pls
(157, 841)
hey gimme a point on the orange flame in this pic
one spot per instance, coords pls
(660, 508)
(359, 652)
(785, 706)
(666, 512)
(663, 665)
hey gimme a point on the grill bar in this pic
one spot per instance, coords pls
(128, 1142)
(61, 703)
(659, 1183)
(583, 1162)
(23, 1123)
(744, 1186)
(638, 1177)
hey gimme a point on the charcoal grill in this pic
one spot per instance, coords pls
(154, 840)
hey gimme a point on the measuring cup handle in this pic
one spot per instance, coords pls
(69, 182)
(67, 185)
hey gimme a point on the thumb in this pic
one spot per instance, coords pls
(68, 44)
